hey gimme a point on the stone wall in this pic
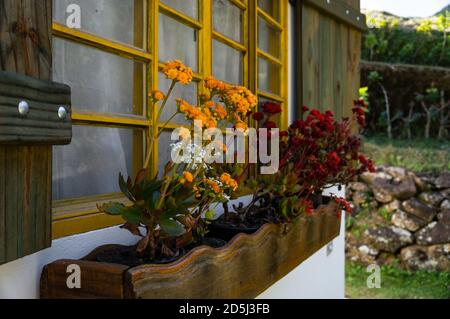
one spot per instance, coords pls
(401, 217)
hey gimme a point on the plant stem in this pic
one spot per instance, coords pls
(152, 132)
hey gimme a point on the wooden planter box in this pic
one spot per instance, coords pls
(244, 268)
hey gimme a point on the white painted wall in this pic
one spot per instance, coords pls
(321, 276)
(20, 278)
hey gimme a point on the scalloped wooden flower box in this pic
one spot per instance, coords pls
(244, 268)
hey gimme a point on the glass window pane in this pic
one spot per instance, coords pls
(177, 42)
(164, 151)
(228, 63)
(91, 163)
(185, 92)
(271, 7)
(188, 7)
(269, 38)
(100, 81)
(268, 76)
(228, 19)
(119, 20)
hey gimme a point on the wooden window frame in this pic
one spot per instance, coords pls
(74, 216)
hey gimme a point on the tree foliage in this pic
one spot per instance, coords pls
(424, 42)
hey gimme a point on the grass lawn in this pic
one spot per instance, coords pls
(419, 155)
(397, 284)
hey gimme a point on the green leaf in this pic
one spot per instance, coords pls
(171, 203)
(154, 198)
(124, 188)
(210, 214)
(188, 201)
(172, 227)
(132, 215)
(114, 209)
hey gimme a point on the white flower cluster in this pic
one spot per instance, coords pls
(191, 154)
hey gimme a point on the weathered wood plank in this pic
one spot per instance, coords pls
(25, 171)
(12, 174)
(25, 37)
(341, 11)
(99, 281)
(244, 268)
(353, 56)
(41, 124)
(311, 56)
(340, 68)
(2, 205)
(327, 60)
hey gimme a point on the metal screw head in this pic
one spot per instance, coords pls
(23, 108)
(62, 112)
(328, 1)
(358, 18)
(347, 12)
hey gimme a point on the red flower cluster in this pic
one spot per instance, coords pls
(367, 164)
(342, 203)
(271, 108)
(266, 117)
(319, 152)
(359, 110)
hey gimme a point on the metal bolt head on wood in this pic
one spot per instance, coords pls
(62, 113)
(23, 108)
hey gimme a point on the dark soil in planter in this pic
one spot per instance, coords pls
(128, 256)
(227, 229)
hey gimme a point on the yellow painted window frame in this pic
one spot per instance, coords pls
(76, 216)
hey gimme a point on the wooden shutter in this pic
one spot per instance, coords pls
(26, 139)
(329, 48)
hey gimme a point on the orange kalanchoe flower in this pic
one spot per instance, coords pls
(238, 98)
(156, 96)
(215, 85)
(197, 114)
(241, 99)
(241, 126)
(228, 181)
(187, 177)
(220, 112)
(177, 71)
(214, 186)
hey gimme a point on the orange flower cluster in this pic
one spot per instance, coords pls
(213, 185)
(187, 178)
(157, 96)
(177, 71)
(220, 112)
(238, 99)
(216, 86)
(228, 181)
(242, 99)
(197, 114)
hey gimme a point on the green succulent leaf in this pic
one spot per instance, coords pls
(124, 188)
(172, 227)
(132, 215)
(114, 209)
